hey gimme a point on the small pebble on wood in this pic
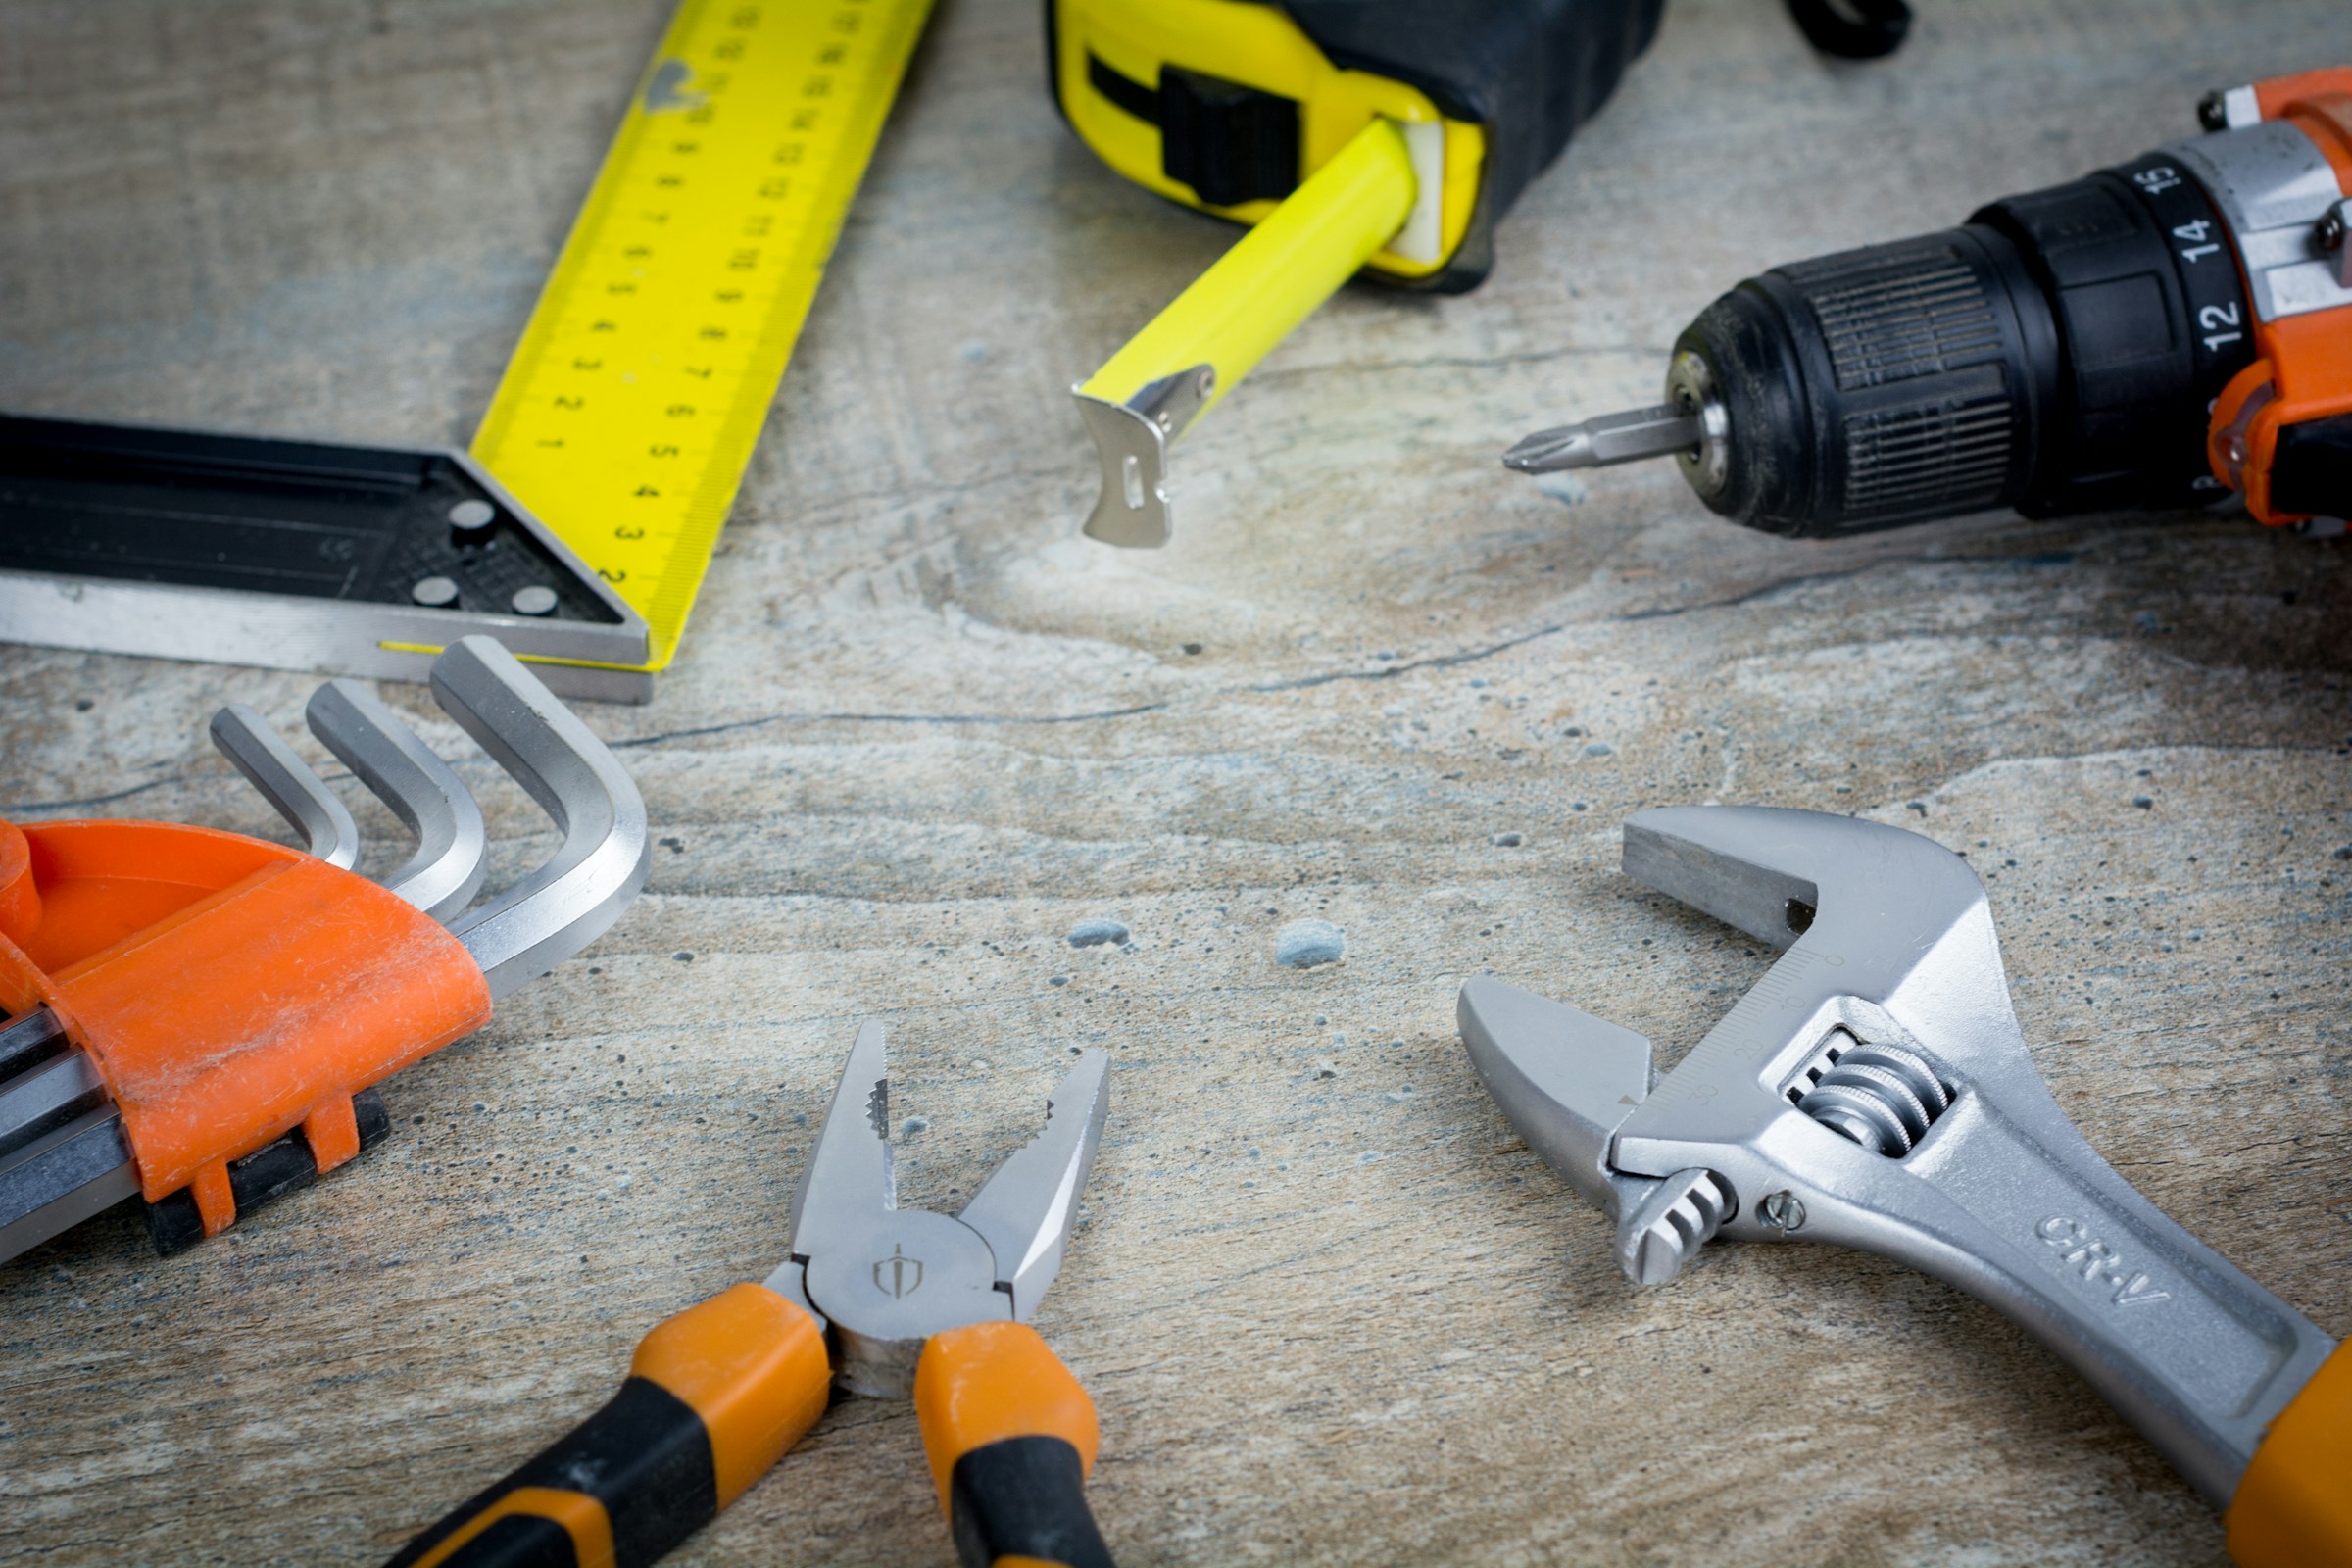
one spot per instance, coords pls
(1304, 943)
(1098, 933)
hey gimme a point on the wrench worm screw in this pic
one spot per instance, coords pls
(1676, 1219)
(1881, 1097)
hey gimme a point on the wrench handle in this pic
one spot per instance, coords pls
(2293, 1508)
(2183, 1343)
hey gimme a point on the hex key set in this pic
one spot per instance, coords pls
(199, 1019)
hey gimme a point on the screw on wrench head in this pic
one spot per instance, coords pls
(1874, 1089)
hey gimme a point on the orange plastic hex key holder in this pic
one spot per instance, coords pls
(879, 1300)
(199, 1017)
(224, 991)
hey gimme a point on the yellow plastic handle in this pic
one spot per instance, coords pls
(2293, 1507)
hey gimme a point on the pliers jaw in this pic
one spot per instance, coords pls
(886, 1279)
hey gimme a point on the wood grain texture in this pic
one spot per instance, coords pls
(1330, 1309)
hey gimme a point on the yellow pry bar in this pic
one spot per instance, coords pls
(629, 411)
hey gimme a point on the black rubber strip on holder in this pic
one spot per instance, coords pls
(261, 1178)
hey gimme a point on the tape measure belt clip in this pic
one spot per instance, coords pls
(1230, 143)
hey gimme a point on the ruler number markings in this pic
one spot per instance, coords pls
(684, 285)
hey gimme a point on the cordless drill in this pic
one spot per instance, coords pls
(2161, 335)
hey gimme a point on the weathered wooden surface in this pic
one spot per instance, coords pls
(920, 729)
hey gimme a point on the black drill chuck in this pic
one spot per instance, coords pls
(2055, 354)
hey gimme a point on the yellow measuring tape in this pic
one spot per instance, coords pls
(630, 409)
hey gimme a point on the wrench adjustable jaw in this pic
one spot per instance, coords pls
(1874, 1090)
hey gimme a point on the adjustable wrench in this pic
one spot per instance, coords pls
(1874, 1089)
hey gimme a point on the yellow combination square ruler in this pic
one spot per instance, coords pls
(579, 527)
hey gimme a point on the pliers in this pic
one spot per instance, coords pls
(1874, 1091)
(876, 1300)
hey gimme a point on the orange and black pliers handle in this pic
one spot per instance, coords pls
(716, 1395)
(1011, 1437)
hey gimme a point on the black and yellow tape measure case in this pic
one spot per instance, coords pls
(1227, 105)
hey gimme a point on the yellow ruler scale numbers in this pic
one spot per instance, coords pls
(629, 411)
